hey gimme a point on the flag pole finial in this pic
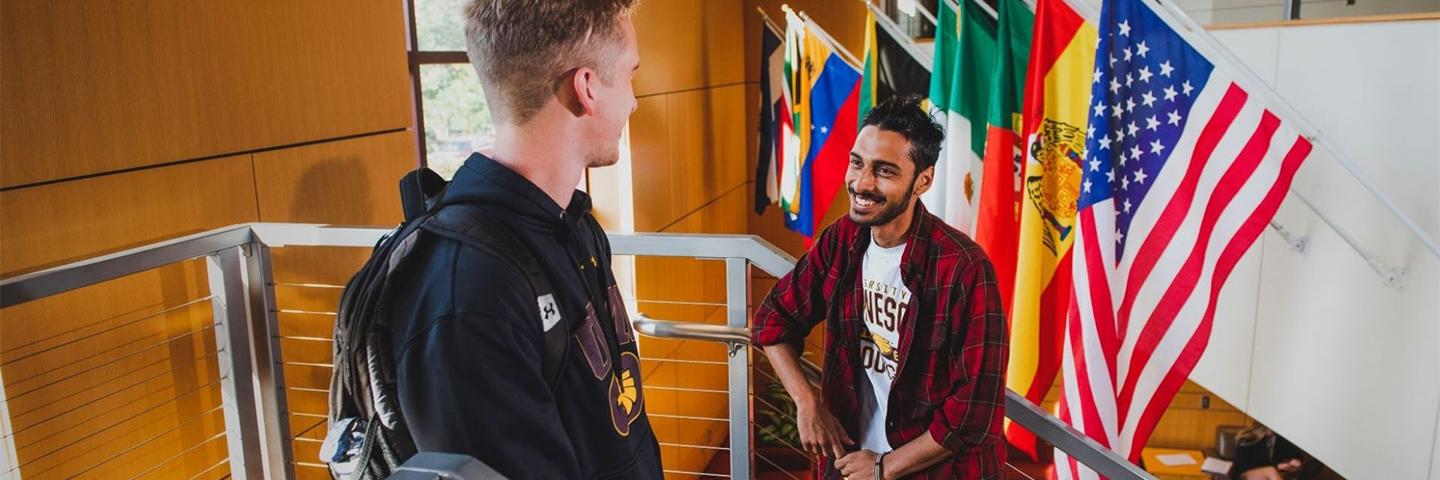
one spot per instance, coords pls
(768, 21)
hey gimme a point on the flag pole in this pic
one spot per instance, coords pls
(981, 3)
(894, 31)
(769, 23)
(924, 12)
(825, 36)
(1191, 31)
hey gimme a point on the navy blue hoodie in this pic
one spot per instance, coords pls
(468, 340)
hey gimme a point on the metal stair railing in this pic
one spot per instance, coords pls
(248, 347)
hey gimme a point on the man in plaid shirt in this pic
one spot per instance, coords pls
(916, 341)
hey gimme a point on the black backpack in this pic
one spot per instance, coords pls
(367, 437)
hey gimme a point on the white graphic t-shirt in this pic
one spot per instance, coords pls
(884, 304)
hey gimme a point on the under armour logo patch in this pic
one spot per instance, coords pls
(549, 311)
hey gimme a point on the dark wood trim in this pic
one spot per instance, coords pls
(432, 57)
(412, 44)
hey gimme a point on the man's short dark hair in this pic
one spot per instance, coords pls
(907, 117)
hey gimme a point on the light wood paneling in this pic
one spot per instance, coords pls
(649, 156)
(689, 280)
(311, 472)
(688, 44)
(35, 327)
(332, 266)
(154, 427)
(306, 325)
(129, 358)
(844, 20)
(688, 149)
(347, 182)
(56, 223)
(308, 376)
(97, 86)
(175, 455)
(701, 284)
(1188, 423)
(318, 299)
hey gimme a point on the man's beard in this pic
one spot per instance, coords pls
(892, 209)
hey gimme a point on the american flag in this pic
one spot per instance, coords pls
(1183, 170)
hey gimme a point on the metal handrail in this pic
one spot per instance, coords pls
(690, 330)
(242, 283)
(1017, 408)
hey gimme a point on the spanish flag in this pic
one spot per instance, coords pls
(1057, 96)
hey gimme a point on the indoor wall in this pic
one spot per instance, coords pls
(127, 123)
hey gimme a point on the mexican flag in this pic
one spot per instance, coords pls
(960, 90)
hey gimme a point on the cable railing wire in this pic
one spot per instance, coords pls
(208, 470)
(691, 445)
(777, 467)
(166, 311)
(1017, 470)
(687, 389)
(302, 433)
(162, 463)
(687, 417)
(202, 329)
(123, 421)
(92, 402)
(698, 474)
(150, 440)
(186, 423)
(102, 353)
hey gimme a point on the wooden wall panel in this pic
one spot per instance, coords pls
(128, 358)
(62, 222)
(154, 426)
(699, 285)
(688, 149)
(688, 44)
(1188, 423)
(96, 86)
(132, 358)
(347, 182)
(843, 20)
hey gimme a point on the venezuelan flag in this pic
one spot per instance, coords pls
(826, 104)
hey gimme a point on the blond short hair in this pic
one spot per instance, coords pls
(519, 48)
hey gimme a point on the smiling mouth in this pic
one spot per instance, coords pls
(865, 201)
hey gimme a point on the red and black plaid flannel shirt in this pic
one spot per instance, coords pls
(953, 342)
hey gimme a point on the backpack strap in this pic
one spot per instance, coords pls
(418, 189)
(468, 225)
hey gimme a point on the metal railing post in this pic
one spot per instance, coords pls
(232, 339)
(269, 363)
(737, 291)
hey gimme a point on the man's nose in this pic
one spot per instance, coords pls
(864, 181)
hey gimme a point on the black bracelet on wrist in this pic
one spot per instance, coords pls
(880, 466)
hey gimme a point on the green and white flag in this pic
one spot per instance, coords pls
(965, 44)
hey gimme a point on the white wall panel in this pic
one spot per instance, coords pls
(1342, 364)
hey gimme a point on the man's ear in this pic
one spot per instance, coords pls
(925, 180)
(583, 83)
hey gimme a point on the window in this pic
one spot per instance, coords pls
(450, 107)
